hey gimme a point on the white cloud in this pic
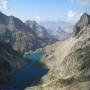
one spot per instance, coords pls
(82, 2)
(36, 18)
(3, 4)
(73, 16)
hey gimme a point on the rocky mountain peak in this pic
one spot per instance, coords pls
(85, 19)
(39, 30)
(83, 23)
(31, 24)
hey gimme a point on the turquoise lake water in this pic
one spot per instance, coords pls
(29, 74)
(35, 56)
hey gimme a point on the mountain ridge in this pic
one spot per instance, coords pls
(23, 38)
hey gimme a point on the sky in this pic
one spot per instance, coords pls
(46, 10)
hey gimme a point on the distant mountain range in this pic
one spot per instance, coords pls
(60, 34)
(60, 30)
(52, 25)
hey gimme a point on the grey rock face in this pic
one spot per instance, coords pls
(10, 26)
(40, 31)
(82, 24)
(5, 34)
(10, 60)
(21, 37)
(24, 37)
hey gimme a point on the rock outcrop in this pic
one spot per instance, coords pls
(82, 24)
(41, 32)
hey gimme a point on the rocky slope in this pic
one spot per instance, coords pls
(52, 25)
(60, 34)
(10, 61)
(19, 33)
(60, 29)
(69, 61)
(41, 32)
(22, 37)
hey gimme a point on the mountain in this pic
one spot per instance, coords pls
(40, 31)
(81, 25)
(19, 33)
(69, 61)
(10, 61)
(52, 25)
(22, 37)
(5, 34)
(60, 30)
(60, 34)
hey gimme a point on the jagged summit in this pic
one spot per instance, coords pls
(85, 14)
(82, 23)
(32, 24)
(84, 20)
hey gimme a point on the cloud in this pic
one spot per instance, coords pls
(73, 16)
(81, 2)
(84, 2)
(36, 18)
(3, 4)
